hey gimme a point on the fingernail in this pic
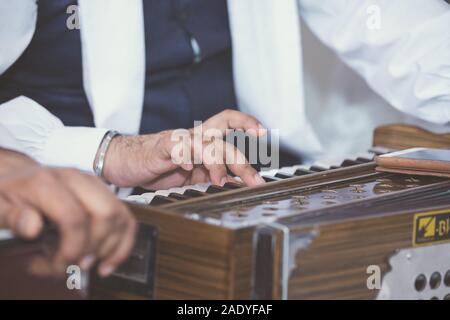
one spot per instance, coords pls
(188, 167)
(262, 131)
(258, 179)
(87, 262)
(24, 223)
(28, 225)
(105, 271)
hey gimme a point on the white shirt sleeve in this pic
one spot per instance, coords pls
(26, 126)
(17, 24)
(401, 48)
(29, 128)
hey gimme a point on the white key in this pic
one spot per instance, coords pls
(164, 193)
(5, 234)
(202, 187)
(137, 199)
(148, 196)
(268, 173)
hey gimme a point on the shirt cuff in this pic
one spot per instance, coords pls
(72, 147)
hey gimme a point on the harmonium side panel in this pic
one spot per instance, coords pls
(242, 263)
(195, 260)
(334, 263)
(204, 264)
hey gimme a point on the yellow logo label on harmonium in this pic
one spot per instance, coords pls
(431, 227)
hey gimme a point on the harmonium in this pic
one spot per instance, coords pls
(327, 231)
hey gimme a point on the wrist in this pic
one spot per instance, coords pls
(103, 149)
(126, 162)
(120, 161)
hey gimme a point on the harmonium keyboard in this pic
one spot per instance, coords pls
(337, 230)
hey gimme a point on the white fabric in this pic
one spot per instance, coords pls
(407, 61)
(113, 51)
(44, 137)
(17, 23)
(268, 68)
(340, 105)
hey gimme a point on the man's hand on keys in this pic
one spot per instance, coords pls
(148, 160)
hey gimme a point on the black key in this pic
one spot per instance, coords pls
(317, 169)
(194, 193)
(232, 186)
(158, 200)
(334, 167)
(178, 196)
(302, 172)
(215, 189)
(363, 160)
(283, 176)
(137, 191)
(270, 179)
(349, 163)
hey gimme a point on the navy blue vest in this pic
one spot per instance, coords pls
(178, 89)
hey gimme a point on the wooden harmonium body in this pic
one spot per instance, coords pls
(342, 232)
(345, 233)
(24, 273)
(348, 232)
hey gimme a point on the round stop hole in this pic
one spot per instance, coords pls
(435, 280)
(421, 282)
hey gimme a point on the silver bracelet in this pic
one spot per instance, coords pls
(104, 145)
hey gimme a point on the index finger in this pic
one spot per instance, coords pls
(110, 219)
(240, 166)
(232, 119)
(65, 211)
